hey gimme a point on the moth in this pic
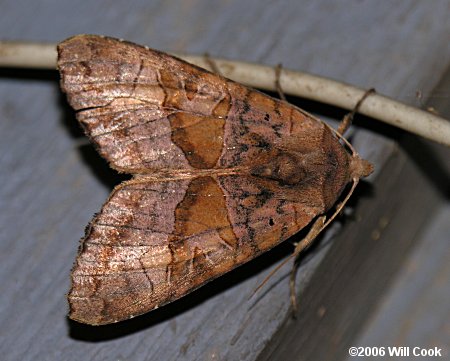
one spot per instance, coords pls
(220, 174)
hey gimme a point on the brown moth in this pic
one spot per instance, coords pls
(221, 174)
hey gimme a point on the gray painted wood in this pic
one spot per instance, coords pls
(415, 312)
(51, 186)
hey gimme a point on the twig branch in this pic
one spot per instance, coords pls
(16, 54)
(427, 125)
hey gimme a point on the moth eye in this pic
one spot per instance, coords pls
(271, 222)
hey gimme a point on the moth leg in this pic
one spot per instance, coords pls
(316, 228)
(280, 92)
(212, 64)
(348, 118)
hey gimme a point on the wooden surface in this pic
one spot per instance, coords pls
(52, 183)
(414, 309)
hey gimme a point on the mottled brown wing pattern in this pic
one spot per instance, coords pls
(151, 243)
(221, 174)
(140, 106)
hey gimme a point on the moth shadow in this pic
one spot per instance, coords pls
(29, 74)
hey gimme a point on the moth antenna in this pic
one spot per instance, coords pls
(341, 137)
(275, 270)
(341, 205)
(348, 118)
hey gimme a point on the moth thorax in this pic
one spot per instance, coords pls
(285, 168)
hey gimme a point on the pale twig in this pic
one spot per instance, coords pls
(27, 55)
(425, 124)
